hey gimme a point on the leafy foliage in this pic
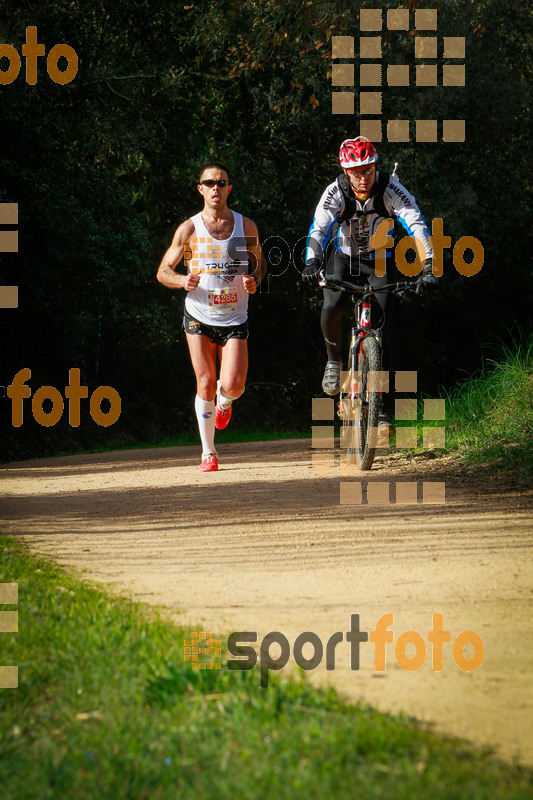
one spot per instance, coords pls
(104, 168)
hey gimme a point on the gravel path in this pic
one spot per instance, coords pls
(265, 545)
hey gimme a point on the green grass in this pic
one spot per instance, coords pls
(106, 708)
(490, 416)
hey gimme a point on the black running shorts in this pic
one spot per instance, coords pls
(218, 334)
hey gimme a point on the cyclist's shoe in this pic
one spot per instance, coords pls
(331, 382)
(385, 423)
(209, 463)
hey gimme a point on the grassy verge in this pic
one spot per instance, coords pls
(490, 416)
(107, 708)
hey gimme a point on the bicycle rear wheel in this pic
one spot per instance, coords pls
(367, 410)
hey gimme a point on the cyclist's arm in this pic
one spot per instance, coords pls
(327, 214)
(255, 256)
(403, 205)
(166, 273)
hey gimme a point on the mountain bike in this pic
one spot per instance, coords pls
(361, 388)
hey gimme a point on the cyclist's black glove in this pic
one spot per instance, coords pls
(312, 269)
(427, 279)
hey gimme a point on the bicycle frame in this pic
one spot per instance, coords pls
(363, 306)
(362, 329)
(361, 392)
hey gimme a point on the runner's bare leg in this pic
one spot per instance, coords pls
(233, 367)
(204, 362)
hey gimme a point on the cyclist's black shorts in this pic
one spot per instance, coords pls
(218, 334)
(361, 272)
(358, 270)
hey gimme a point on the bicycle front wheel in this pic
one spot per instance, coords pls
(349, 407)
(367, 410)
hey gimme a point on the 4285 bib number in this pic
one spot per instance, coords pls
(222, 301)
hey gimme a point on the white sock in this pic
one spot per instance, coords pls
(205, 414)
(223, 400)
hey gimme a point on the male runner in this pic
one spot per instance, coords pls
(220, 247)
(350, 209)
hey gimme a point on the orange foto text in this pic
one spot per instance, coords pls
(74, 392)
(382, 239)
(32, 50)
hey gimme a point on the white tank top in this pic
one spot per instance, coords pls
(220, 298)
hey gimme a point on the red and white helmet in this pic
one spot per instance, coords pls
(357, 153)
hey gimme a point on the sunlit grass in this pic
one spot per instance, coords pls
(107, 708)
(490, 416)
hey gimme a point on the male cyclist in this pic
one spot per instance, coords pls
(350, 210)
(221, 249)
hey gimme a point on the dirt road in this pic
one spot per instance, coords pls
(265, 545)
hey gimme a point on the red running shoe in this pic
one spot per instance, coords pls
(209, 463)
(222, 417)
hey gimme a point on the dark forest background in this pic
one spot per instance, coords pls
(105, 168)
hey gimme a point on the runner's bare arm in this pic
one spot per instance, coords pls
(166, 273)
(255, 254)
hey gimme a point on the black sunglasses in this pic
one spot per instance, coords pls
(210, 183)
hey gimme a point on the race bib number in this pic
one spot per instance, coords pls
(222, 301)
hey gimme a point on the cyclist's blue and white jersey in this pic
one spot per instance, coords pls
(353, 236)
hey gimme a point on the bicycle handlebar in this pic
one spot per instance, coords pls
(367, 290)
